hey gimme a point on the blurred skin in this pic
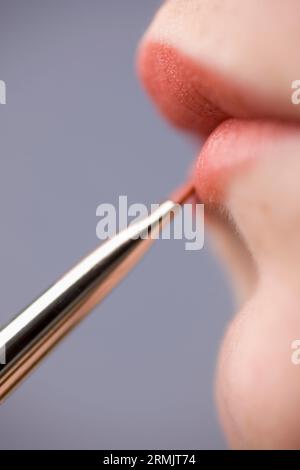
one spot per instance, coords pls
(224, 69)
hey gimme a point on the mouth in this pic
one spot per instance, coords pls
(241, 135)
(238, 125)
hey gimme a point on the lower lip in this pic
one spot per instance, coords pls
(232, 148)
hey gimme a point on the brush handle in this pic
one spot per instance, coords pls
(40, 326)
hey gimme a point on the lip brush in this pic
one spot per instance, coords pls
(26, 339)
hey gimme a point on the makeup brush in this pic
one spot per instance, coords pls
(26, 339)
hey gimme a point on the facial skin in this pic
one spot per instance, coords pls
(223, 69)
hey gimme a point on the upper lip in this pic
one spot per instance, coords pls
(184, 92)
(193, 96)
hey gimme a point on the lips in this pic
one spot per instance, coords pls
(235, 122)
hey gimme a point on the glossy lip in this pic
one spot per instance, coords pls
(200, 100)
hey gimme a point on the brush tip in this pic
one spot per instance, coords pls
(183, 193)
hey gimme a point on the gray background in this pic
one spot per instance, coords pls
(78, 130)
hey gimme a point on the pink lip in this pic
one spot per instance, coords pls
(181, 90)
(232, 147)
(197, 99)
(192, 96)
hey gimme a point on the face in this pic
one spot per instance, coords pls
(224, 69)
